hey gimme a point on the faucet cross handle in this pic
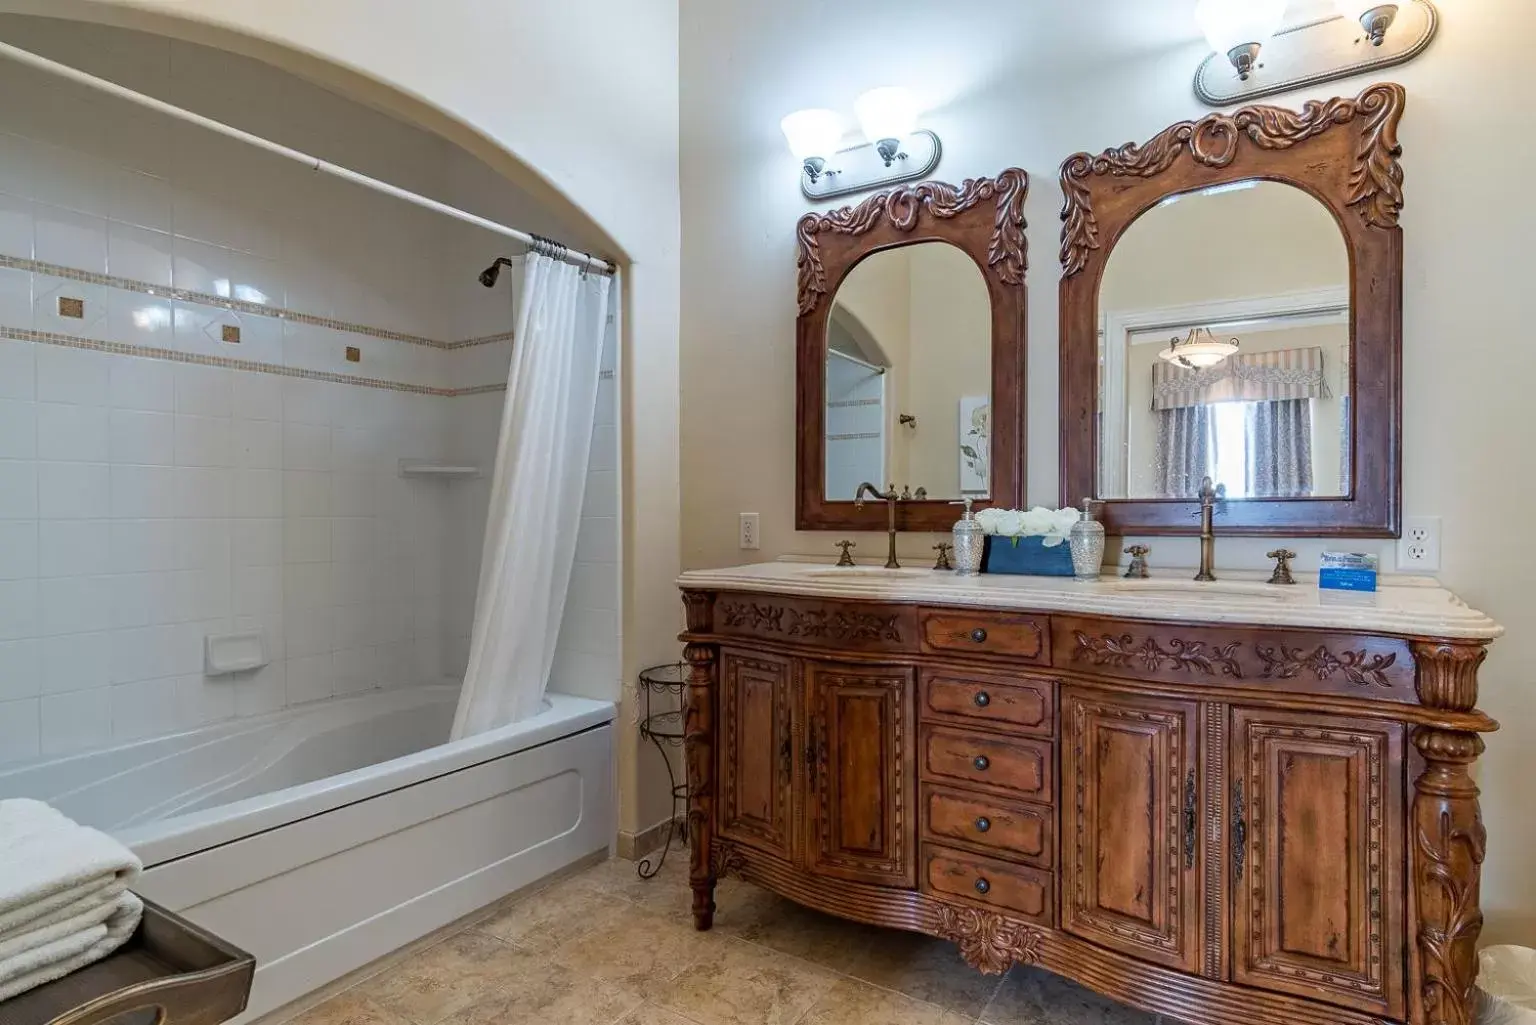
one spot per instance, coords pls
(1282, 573)
(845, 559)
(943, 548)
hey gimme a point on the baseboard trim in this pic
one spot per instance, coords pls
(634, 846)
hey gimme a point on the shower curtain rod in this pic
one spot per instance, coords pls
(53, 67)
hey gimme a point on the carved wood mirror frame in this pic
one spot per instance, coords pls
(984, 218)
(1344, 153)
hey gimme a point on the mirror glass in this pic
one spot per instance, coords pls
(1224, 348)
(909, 375)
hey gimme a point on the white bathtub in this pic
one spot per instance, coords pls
(320, 839)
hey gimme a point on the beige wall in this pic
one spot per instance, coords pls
(580, 109)
(1027, 87)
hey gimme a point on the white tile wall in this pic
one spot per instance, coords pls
(144, 504)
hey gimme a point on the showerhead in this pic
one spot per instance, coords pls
(489, 275)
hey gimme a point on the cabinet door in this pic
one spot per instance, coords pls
(1129, 836)
(757, 695)
(861, 807)
(1321, 815)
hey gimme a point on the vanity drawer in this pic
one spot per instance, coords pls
(1020, 703)
(989, 882)
(1014, 830)
(1018, 766)
(1022, 637)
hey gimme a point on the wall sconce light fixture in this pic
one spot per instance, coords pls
(896, 149)
(1239, 28)
(1199, 350)
(1374, 17)
(1364, 36)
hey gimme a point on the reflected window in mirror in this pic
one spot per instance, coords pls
(908, 375)
(1224, 323)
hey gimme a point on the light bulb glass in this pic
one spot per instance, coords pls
(1232, 23)
(813, 133)
(886, 113)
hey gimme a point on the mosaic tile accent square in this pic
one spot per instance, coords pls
(71, 307)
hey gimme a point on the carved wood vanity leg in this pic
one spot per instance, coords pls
(699, 752)
(1446, 842)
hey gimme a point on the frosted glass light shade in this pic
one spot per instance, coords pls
(886, 113)
(1199, 350)
(813, 133)
(1232, 23)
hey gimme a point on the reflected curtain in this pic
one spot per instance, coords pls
(1280, 449)
(1185, 450)
(536, 493)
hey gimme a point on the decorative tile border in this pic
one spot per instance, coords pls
(240, 305)
(228, 363)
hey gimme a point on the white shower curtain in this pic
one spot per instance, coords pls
(536, 493)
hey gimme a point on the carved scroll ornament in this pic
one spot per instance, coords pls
(904, 209)
(1375, 177)
(988, 942)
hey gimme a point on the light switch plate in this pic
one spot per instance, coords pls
(748, 531)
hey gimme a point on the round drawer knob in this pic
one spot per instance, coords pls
(983, 824)
(978, 635)
(982, 762)
(982, 699)
(982, 886)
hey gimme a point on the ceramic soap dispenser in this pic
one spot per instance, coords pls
(969, 542)
(1086, 541)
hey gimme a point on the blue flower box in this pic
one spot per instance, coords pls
(1026, 556)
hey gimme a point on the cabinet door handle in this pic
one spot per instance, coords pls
(982, 762)
(983, 823)
(982, 886)
(1189, 820)
(1239, 829)
(982, 699)
(979, 635)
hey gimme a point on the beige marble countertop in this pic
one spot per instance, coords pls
(1416, 606)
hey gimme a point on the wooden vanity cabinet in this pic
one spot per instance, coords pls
(1223, 824)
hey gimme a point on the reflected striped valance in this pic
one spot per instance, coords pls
(1253, 377)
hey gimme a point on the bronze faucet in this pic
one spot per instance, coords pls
(1210, 494)
(890, 498)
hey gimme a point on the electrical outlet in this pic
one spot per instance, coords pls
(747, 532)
(1418, 550)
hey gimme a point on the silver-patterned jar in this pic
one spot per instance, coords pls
(969, 541)
(1086, 541)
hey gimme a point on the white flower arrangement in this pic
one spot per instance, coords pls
(1050, 525)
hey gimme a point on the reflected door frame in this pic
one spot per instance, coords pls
(1118, 326)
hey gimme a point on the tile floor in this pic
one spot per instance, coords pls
(606, 948)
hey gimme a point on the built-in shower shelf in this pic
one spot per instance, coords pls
(440, 471)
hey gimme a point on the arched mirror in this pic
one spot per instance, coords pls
(1232, 308)
(911, 353)
(909, 376)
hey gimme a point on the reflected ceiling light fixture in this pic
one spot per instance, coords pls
(1240, 28)
(1374, 17)
(896, 150)
(886, 117)
(1199, 350)
(813, 137)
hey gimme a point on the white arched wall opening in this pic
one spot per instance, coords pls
(581, 113)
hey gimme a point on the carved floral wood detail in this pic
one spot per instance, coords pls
(1449, 842)
(1121, 651)
(989, 942)
(698, 754)
(816, 623)
(1375, 180)
(1358, 667)
(904, 208)
(725, 858)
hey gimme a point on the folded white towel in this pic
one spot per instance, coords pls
(63, 895)
(56, 959)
